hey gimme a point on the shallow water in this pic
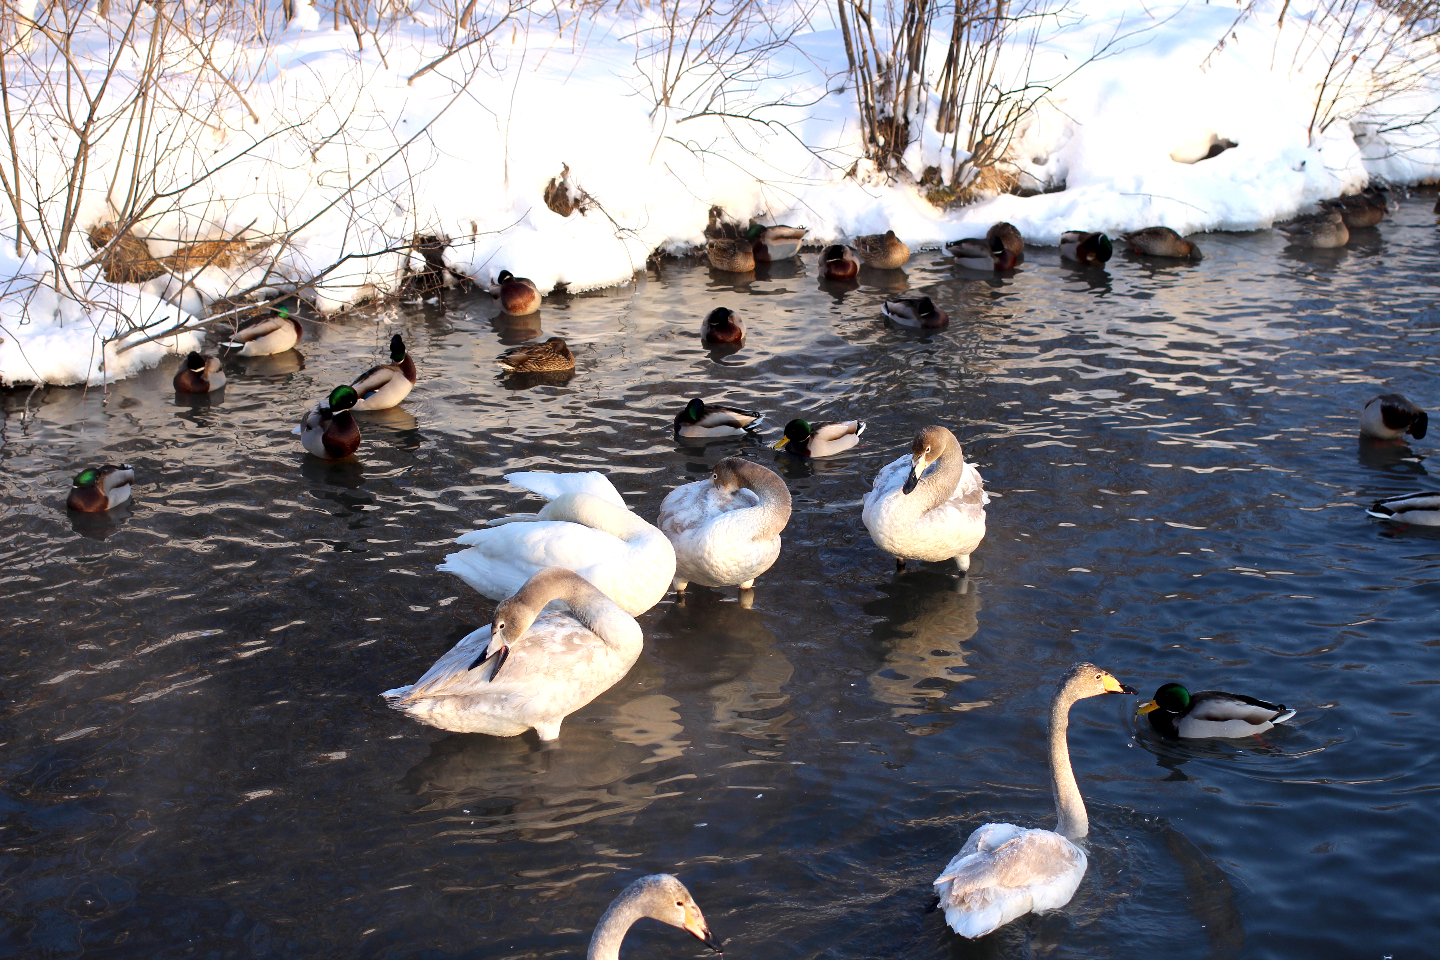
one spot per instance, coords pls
(197, 764)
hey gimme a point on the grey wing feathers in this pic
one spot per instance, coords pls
(1031, 857)
(453, 665)
(1214, 705)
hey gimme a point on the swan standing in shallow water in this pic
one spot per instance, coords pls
(528, 668)
(726, 530)
(1005, 871)
(932, 515)
(659, 897)
(585, 527)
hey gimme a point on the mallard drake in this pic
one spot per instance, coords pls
(1421, 509)
(932, 515)
(779, 242)
(915, 312)
(1005, 871)
(97, 489)
(732, 256)
(722, 326)
(383, 387)
(585, 527)
(1390, 416)
(553, 354)
(1177, 713)
(884, 251)
(518, 296)
(1322, 231)
(329, 431)
(528, 669)
(1364, 209)
(1010, 239)
(262, 336)
(1161, 242)
(726, 529)
(659, 897)
(199, 374)
(1085, 248)
(838, 262)
(805, 439)
(700, 420)
(996, 251)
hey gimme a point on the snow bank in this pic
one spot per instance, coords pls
(350, 159)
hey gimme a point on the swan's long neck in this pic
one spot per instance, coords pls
(599, 614)
(598, 514)
(1069, 805)
(938, 485)
(774, 499)
(605, 944)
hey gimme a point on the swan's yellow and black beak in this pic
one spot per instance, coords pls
(695, 925)
(918, 463)
(781, 444)
(1115, 686)
(1149, 706)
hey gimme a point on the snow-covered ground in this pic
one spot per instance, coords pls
(348, 158)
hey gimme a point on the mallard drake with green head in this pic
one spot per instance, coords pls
(1085, 248)
(722, 326)
(262, 336)
(838, 262)
(732, 256)
(883, 251)
(1359, 210)
(199, 374)
(1421, 509)
(329, 430)
(701, 420)
(97, 489)
(1177, 713)
(383, 387)
(779, 242)
(518, 296)
(1161, 242)
(1390, 416)
(919, 312)
(552, 355)
(804, 439)
(1322, 231)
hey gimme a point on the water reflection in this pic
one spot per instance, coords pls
(926, 617)
(100, 525)
(884, 281)
(395, 425)
(513, 331)
(271, 366)
(348, 473)
(1389, 456)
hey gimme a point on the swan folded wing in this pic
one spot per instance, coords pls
(1214, 706)
(971, 488)
(891, 477)
(695, 505)
(553, 485)
(987, 888)
(455, 663)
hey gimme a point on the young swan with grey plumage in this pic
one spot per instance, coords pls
(726, 529)
(929, 505)
(1005, 871)
(660, 897)
(530, 667)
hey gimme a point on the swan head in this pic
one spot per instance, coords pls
(929, 445)
(727, 474)
(663, 897)
(1087, 680)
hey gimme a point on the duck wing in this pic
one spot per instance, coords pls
(828, 432)
(1218, 706)
(373, 379)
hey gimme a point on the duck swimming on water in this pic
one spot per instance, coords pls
(701, 420)
(1391, 416)
(1175, 712)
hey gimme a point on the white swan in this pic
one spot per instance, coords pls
(1005, 871)
(660, 897)
(528, 669)
(585, 527)
(932, 515)
(726, 530)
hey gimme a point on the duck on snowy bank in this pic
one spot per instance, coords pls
(1005, 871)
(726, 529)
(529, 668)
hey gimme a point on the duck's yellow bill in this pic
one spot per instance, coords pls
(781, 444)
(1147, 707)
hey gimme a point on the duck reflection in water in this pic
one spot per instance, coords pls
(1095, 277)
(275, 365)
(395, 424)
(725, 647)
(513, 331)
(884, 281)
(348, 473)
(926, 617)
(101, 524)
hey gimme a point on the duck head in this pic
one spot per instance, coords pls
(342, 397)
(1169, 697)
(797, 432)
(397, 349)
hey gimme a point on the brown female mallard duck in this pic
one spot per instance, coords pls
(199, 374)
(1085, 248)
(1321, 231)
(884, 251)
(838, 262)
(97, 489)
(551, 355)
(518, 296)
(779, 242)
(732, 256)
(722, 326)
(1364, 209)
(382, 387)
(1161, 242)
(329, 430)
(262, 336)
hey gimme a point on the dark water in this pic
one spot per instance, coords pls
(196, 764)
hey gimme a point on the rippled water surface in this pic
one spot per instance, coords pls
(196, 762)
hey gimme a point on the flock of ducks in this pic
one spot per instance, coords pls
(571, 578)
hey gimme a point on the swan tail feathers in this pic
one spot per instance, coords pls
(553, 485)
(487, 576)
